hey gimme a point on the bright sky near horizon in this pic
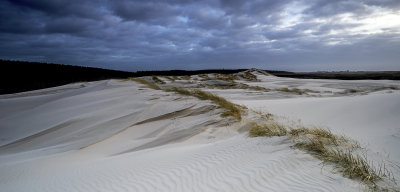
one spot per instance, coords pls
(294, 35)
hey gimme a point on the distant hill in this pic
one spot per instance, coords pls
(19, 76)
(344, 75)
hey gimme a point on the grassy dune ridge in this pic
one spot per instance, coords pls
(231, 108)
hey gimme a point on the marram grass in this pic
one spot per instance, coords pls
(144, 82)
(231, 108)
(326, 146)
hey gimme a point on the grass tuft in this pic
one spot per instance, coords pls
(185, 77)
(294, 90)
(248, 76)
(299, 131)
(204, 77)
(336, 150)
(236, 85)
(319, 132)
(351, 91)
(226, 77)
(232, 109)
(325, 146)
(267, 130)
(144, 82)
(181, 91)
(157, 80)
(315, 146)
(350, 165)
(169, 78)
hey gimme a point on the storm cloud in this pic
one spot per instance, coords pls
(187, 34)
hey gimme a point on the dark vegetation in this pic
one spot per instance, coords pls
(344, 75)
(19, 76)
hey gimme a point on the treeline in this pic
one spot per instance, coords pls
(19, 76)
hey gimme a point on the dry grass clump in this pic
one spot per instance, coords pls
(157, 80)
(353, 166)
(298, 131)
(351, 91)
(294, 90)
(181, 91)
(185, 77)
(350, 165)
(391, 87)
(386, 88)
(248, 76)
(318, 132)
(170, 78)
(322, 133)
(269, 116)
(204, 77)
(232, 109)
(336, 150)
(249, 87)
(325, 146)
(225, 77)
(217, 86)
(258, 88)
(315, 146)
(267, 130)
(237, 86)
(218, 76)
(144, 82)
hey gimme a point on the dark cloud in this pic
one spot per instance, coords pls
(391, 4)
(15, 20)
(188, 34)
(62, 8)
(144, 11)
(327, 8)
(244, 7)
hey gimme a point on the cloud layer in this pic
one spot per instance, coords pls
(304, 35)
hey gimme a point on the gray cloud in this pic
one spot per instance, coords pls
(326, 8)
(61, 8)
(188, 34)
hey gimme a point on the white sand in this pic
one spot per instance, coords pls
(371, 119)
(117, 136)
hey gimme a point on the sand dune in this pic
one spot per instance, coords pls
(371, 119)
(118, 136)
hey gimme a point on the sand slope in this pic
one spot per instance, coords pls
(117, 136)
(371, 119)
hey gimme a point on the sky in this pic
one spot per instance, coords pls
(293, 35)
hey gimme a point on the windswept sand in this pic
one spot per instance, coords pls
(118, 136)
